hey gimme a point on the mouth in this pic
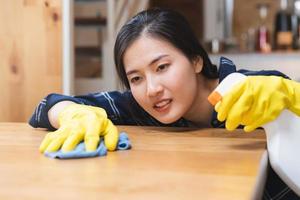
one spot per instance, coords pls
(162, 105)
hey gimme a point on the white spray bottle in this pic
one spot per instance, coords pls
(283, 137)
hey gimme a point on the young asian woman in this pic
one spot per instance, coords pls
(168, 77)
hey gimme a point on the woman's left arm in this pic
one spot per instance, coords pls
(258, 100)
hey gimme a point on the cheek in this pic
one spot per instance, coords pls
(184, 87)
(181, 80)
(139, 94)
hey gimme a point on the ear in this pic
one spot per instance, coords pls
(198, 64)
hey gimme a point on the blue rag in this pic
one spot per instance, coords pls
(79, 151)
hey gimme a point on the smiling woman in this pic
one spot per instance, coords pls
(168, 77)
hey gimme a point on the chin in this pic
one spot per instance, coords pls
(166, 120)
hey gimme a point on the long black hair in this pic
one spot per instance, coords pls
(165, 24)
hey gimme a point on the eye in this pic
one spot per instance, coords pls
(135, 79)
(162, 67)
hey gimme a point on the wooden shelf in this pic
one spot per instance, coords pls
(90, 17)
(86, 1)
(86, 67)
(90, 21)
(88, 51)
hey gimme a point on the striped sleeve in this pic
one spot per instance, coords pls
(39, 118)
(114, 103)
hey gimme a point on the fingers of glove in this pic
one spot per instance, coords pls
(217, 106)
(266, 115)
(92, 135)
(111, 136)
(76, 136)
(254, 117)
(258, 122)
(235, 114)
(49, 138)
(258, 115)
(229, 99)
(260, 109)
(275, 107)
(60, 136)
(252, 127)
(46, 141)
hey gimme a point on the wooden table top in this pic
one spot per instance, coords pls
(163, 164)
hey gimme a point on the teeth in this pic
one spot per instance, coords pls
(162, 103)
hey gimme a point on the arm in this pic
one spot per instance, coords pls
(258, 100)
(39, 118)
(76, 123)
(75, 119)
(119, 107)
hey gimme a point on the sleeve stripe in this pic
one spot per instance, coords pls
(98, 94)
(112, 104)
(37, 111)
(227, 62)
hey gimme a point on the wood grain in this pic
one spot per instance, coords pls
(30, 55)
(163, 164)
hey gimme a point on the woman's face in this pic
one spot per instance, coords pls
(162, 79)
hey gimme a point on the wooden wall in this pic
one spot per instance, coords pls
(30, 55)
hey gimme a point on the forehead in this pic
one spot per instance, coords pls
(143, 50)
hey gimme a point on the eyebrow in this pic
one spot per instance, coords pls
(151, 63)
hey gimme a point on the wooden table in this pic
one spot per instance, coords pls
(163, 164)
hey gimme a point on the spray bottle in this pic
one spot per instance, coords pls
(283, 137)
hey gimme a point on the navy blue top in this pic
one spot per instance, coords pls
(122, 109)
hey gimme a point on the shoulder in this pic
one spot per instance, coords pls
(263, 73)
(226, 67)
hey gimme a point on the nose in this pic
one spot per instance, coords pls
(154, 87)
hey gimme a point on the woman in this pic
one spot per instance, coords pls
(168, 77)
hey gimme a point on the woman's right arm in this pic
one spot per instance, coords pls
(54, 111)
(116, 105)
(40, 117)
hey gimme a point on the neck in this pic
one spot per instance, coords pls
(201, 110)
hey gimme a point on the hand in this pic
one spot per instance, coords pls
(258, 100)
(80, 122)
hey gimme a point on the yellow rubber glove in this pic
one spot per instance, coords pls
(80, 122)
(258, 100)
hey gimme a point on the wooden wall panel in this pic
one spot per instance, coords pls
(30, 55)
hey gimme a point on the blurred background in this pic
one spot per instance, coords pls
(65, 46)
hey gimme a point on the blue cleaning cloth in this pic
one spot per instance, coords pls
(79, 151)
